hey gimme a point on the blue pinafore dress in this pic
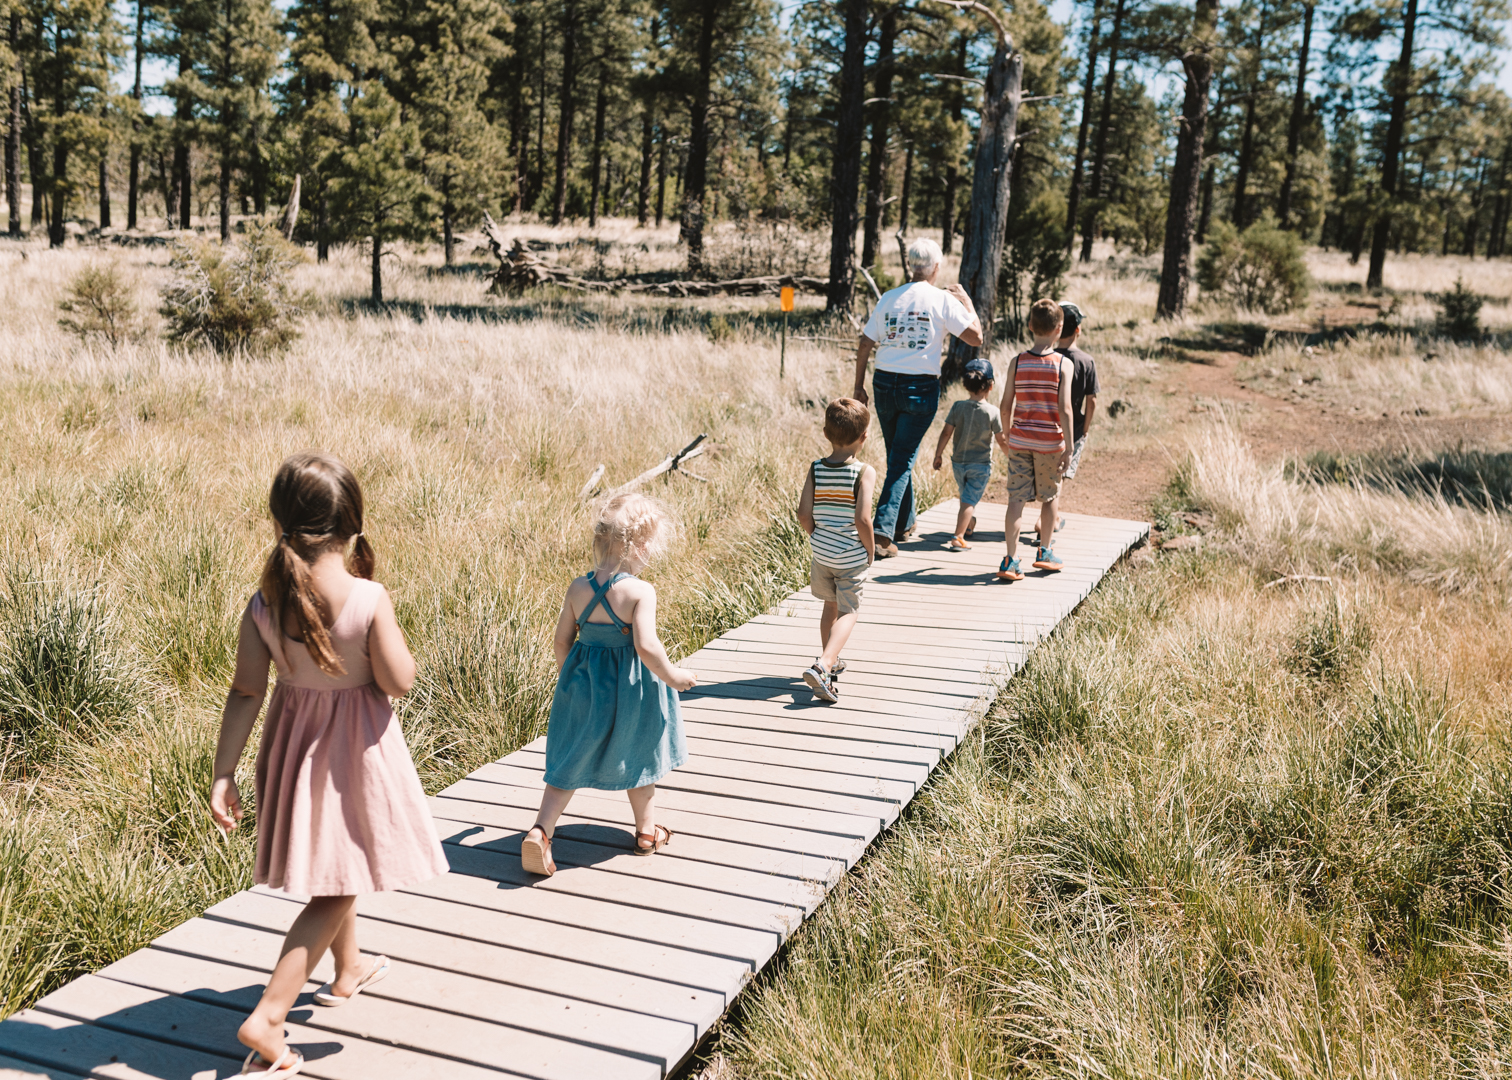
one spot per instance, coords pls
(614, 725)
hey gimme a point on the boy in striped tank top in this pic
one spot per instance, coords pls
(835, 510)
(1036, 410)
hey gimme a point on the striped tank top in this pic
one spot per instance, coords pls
(1036, 404)
(835, 541)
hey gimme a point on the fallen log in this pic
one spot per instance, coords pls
(592, 485)
(521, 269)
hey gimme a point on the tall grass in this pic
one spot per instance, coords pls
(1174, 852)
(1288, 525)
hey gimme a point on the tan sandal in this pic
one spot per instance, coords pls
(278, 1070)
(535, 855)
(331, 1000)
(656, 843)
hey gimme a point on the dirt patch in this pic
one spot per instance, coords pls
(1125, 483)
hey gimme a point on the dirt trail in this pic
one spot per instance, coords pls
(1124, 483)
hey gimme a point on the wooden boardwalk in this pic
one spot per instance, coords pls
(618, 965)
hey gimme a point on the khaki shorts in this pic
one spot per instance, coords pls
(840, 587)
(1033, 477)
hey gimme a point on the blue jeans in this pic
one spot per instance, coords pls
(906, 406)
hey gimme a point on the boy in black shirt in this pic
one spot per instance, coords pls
(1083, 383)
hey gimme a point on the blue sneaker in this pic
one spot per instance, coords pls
(1008, 570)
(1047, 560)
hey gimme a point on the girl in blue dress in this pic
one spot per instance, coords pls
(616, 724)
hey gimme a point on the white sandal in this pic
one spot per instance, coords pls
(278, 1070)
(323, 996)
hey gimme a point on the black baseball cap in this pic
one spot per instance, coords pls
(981, 367)
(1071, 317)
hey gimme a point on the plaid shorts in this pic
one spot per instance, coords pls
(1033, 477)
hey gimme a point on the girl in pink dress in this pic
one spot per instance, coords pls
(340, 810)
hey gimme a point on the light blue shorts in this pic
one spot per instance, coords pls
(971, 477)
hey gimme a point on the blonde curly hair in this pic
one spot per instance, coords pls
(632, 525)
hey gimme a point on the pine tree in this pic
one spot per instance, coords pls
(69, 48)
(378, 190)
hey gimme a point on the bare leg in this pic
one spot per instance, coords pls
(1047, 523)
(312, 934)
(553, 801)
(642, 805)
(827, 616)
(350, 967)
(839, 634)
(963, 520)
(1011, 526)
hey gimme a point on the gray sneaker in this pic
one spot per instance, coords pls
(821, 683)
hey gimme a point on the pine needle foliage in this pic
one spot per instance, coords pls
(235, 299)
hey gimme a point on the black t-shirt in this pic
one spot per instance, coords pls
(1083, 384)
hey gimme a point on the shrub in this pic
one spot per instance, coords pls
(1261, 268)
(1459, 313)
(234, 299)
(98, 302)
(1330, 643)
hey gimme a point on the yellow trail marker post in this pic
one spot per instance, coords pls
(787, 306)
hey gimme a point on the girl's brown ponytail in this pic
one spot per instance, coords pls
(317, 504)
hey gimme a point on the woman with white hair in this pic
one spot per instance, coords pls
(907, 329)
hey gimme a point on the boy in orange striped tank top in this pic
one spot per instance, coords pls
(1036, 412)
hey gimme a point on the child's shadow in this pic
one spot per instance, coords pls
(574, 844)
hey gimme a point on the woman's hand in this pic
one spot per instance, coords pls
(682, 679)
(225, 803)
(939, 462)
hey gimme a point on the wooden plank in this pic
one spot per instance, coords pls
(735, 881)
(649, 895)
(16, 1069)
(419, 952)
(875, 810)
(712, 726)
(700, 839)
(778, 654)
(895, 699)
(818, 720)
(857, 679)
(599, 950)
(429, 1010)
(72, 1047)
(808, 759)
(339, 1044)
(814, 819)
(789, 776)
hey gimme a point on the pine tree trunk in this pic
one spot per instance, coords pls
(952, 171)
(661, 179)
(876, 164)
(377, 268)
(1104, 123)
(845, 176)
(1238, 213)
(565, 111)
(519, 117)
(181, 149)
(600, 107)
(695, 183)
(55, 233)
(906, 193)
(537, 185)
(1089, 97)
(223, 190)
(448, 220)
(1399, 79)
(1294, 125)
(648, 147)
(1181, 214)
(322, 223)
(991, 191)
(1496, 241)
(105, 187)
(1205, 215)
(13, 132)
(133, 169)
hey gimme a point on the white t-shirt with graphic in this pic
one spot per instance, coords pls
(909, 325)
